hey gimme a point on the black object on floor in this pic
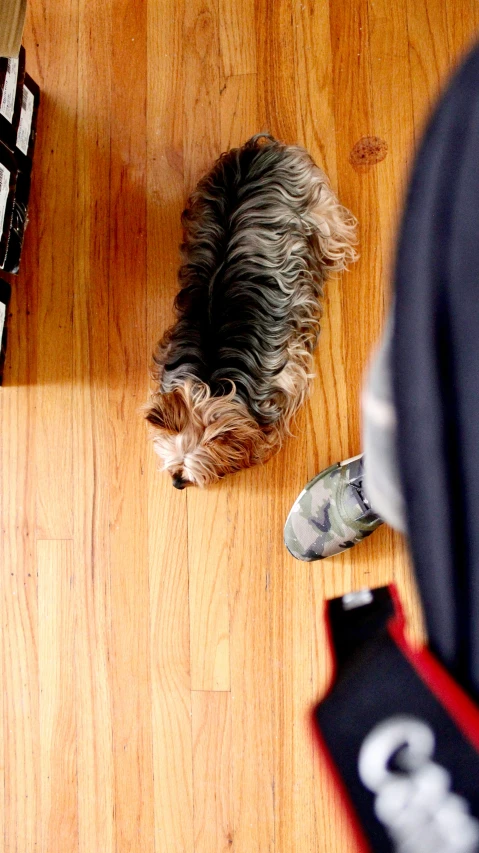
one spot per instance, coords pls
(403, 738)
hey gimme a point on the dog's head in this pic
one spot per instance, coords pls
(201, 438)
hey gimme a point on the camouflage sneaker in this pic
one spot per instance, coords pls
(331, 514)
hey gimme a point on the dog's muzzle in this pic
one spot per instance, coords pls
(178, 482)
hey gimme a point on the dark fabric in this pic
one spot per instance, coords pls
(436, 374)
(376, 685)
(351, 628)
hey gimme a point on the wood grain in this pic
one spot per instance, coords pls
(313, 75)
(130, 670)
(19, 601)
(20, 729)
(201, 89)
(161, 651)
(429, 55)
(237, 37)
(57, 31)
(209, 590)
(211, 720)
(462, 27)
(170, 669)
(275, 68)
(238, 112)
(92, 435)
(252, 664)
(56, 619)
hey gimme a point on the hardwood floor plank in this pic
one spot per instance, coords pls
(21, 801)
(167, 514)
(294, 789)
(208, 592)
(201, 89)
(170, 668)
(313, 83)
(253, 782)
(238, 113)
(56, 647)
(92, 435)
(275, 69)
(462, 27)
(211, 720)
(237, 37)
(130, 669)
(19, 646)
(393, 119)
(55, 172)
(429, 56)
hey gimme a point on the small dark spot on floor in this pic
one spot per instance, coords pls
(368, 151)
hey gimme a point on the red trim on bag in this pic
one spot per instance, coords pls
(457, 703)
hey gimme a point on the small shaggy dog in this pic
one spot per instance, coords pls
(262, 232)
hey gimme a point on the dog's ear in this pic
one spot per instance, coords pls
(335, 235)
(232, 437)
(168, 411)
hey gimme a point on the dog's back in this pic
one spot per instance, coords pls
(261, 232)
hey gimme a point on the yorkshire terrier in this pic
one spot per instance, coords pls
(262, 232)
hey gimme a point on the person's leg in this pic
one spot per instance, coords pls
(347, 501)
(379, 434)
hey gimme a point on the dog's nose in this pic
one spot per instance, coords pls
(178, 482)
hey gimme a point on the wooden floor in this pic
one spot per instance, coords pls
(161, 651)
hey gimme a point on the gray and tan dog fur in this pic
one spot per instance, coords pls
(262, 232)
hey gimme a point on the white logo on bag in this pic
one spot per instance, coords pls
(415, 803)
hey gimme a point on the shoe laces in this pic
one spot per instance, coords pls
(368, 516)
(357, 485)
